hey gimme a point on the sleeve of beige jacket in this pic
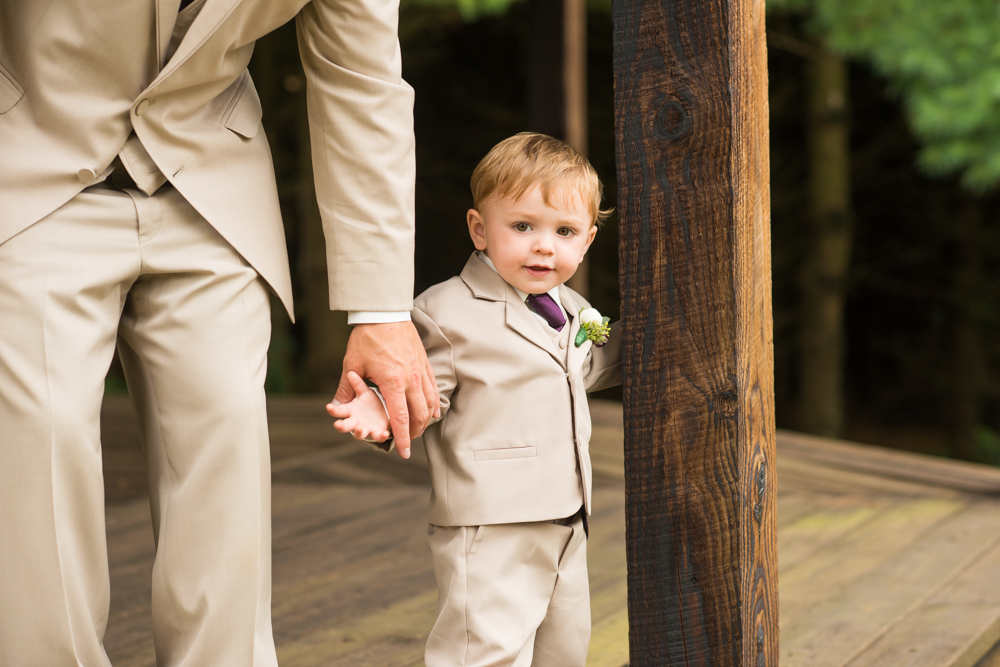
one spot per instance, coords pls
(603, 367)
(361, 130)
(441, 355)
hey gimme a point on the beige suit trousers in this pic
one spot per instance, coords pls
(510, 595)
(191, 321)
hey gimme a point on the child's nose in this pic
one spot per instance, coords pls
(544, 245)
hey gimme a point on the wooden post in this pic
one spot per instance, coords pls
(692, 151)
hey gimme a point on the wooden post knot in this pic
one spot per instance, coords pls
(672, 120)
(728, 403)
(758, 508)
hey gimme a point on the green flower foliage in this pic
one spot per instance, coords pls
(942, 58)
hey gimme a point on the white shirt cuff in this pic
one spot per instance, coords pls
(377, 316)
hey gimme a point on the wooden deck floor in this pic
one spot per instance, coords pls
(885, 558)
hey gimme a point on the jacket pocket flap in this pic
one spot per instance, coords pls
(11, 91)
(506, 453)
(244, 112)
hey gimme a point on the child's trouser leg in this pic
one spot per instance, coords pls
(563, 638)
(495, 585)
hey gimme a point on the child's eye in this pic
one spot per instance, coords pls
(522, 226)
(565, 231)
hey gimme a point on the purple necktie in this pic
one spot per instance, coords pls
(546, 306)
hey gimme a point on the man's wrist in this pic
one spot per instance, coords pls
(377, 316)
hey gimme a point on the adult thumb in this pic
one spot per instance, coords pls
(345, 392)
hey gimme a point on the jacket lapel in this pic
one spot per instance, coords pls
(166, 16)
(520, 319)
(211, 16)
(486, 283)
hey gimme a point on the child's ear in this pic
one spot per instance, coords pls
(477, 228)
(590, 239)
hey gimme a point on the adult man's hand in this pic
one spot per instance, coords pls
(392, 356)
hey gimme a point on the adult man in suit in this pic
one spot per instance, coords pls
(138, 203)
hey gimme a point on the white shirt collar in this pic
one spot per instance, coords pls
(554, 292)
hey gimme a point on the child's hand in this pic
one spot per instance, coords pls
(364, 417)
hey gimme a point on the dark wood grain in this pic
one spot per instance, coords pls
(691, 123)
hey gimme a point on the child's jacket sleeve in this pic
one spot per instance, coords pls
(440, 354)
(603, 367)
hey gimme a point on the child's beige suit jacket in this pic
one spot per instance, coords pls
(512, 444)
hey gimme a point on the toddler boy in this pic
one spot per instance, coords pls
(509, 460)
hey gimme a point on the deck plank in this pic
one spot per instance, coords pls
(892, 464)
(846, 606)
(821, 526)
(817, 477)
(955, 626)
(992, 658)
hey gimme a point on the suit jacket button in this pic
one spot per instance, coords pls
(86, 175)
(562, 343)
(141, 107)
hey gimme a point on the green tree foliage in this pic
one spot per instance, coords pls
(472, 10)
(941, 58)
(469, 9)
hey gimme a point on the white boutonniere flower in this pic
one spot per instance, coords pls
(593, 326)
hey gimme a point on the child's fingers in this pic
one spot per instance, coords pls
(344, 425)
(339, 410)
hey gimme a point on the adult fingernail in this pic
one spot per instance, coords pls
(406, 453)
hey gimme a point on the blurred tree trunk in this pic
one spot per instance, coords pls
(557, 82)
(325, 332)
(824, 277)
(970, 364)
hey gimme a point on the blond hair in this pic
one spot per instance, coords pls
(517, 163)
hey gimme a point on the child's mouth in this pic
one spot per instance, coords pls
(538, 270)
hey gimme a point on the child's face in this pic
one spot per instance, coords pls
(534, 246)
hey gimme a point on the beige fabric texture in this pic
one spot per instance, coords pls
(67, 111)
(510, 595)
(512, 444)
(192, 323)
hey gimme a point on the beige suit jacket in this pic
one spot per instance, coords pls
(75, 81)
(512, 444)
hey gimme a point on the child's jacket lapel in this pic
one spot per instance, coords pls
(486, 283)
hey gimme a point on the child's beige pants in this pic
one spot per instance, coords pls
(510, 594)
